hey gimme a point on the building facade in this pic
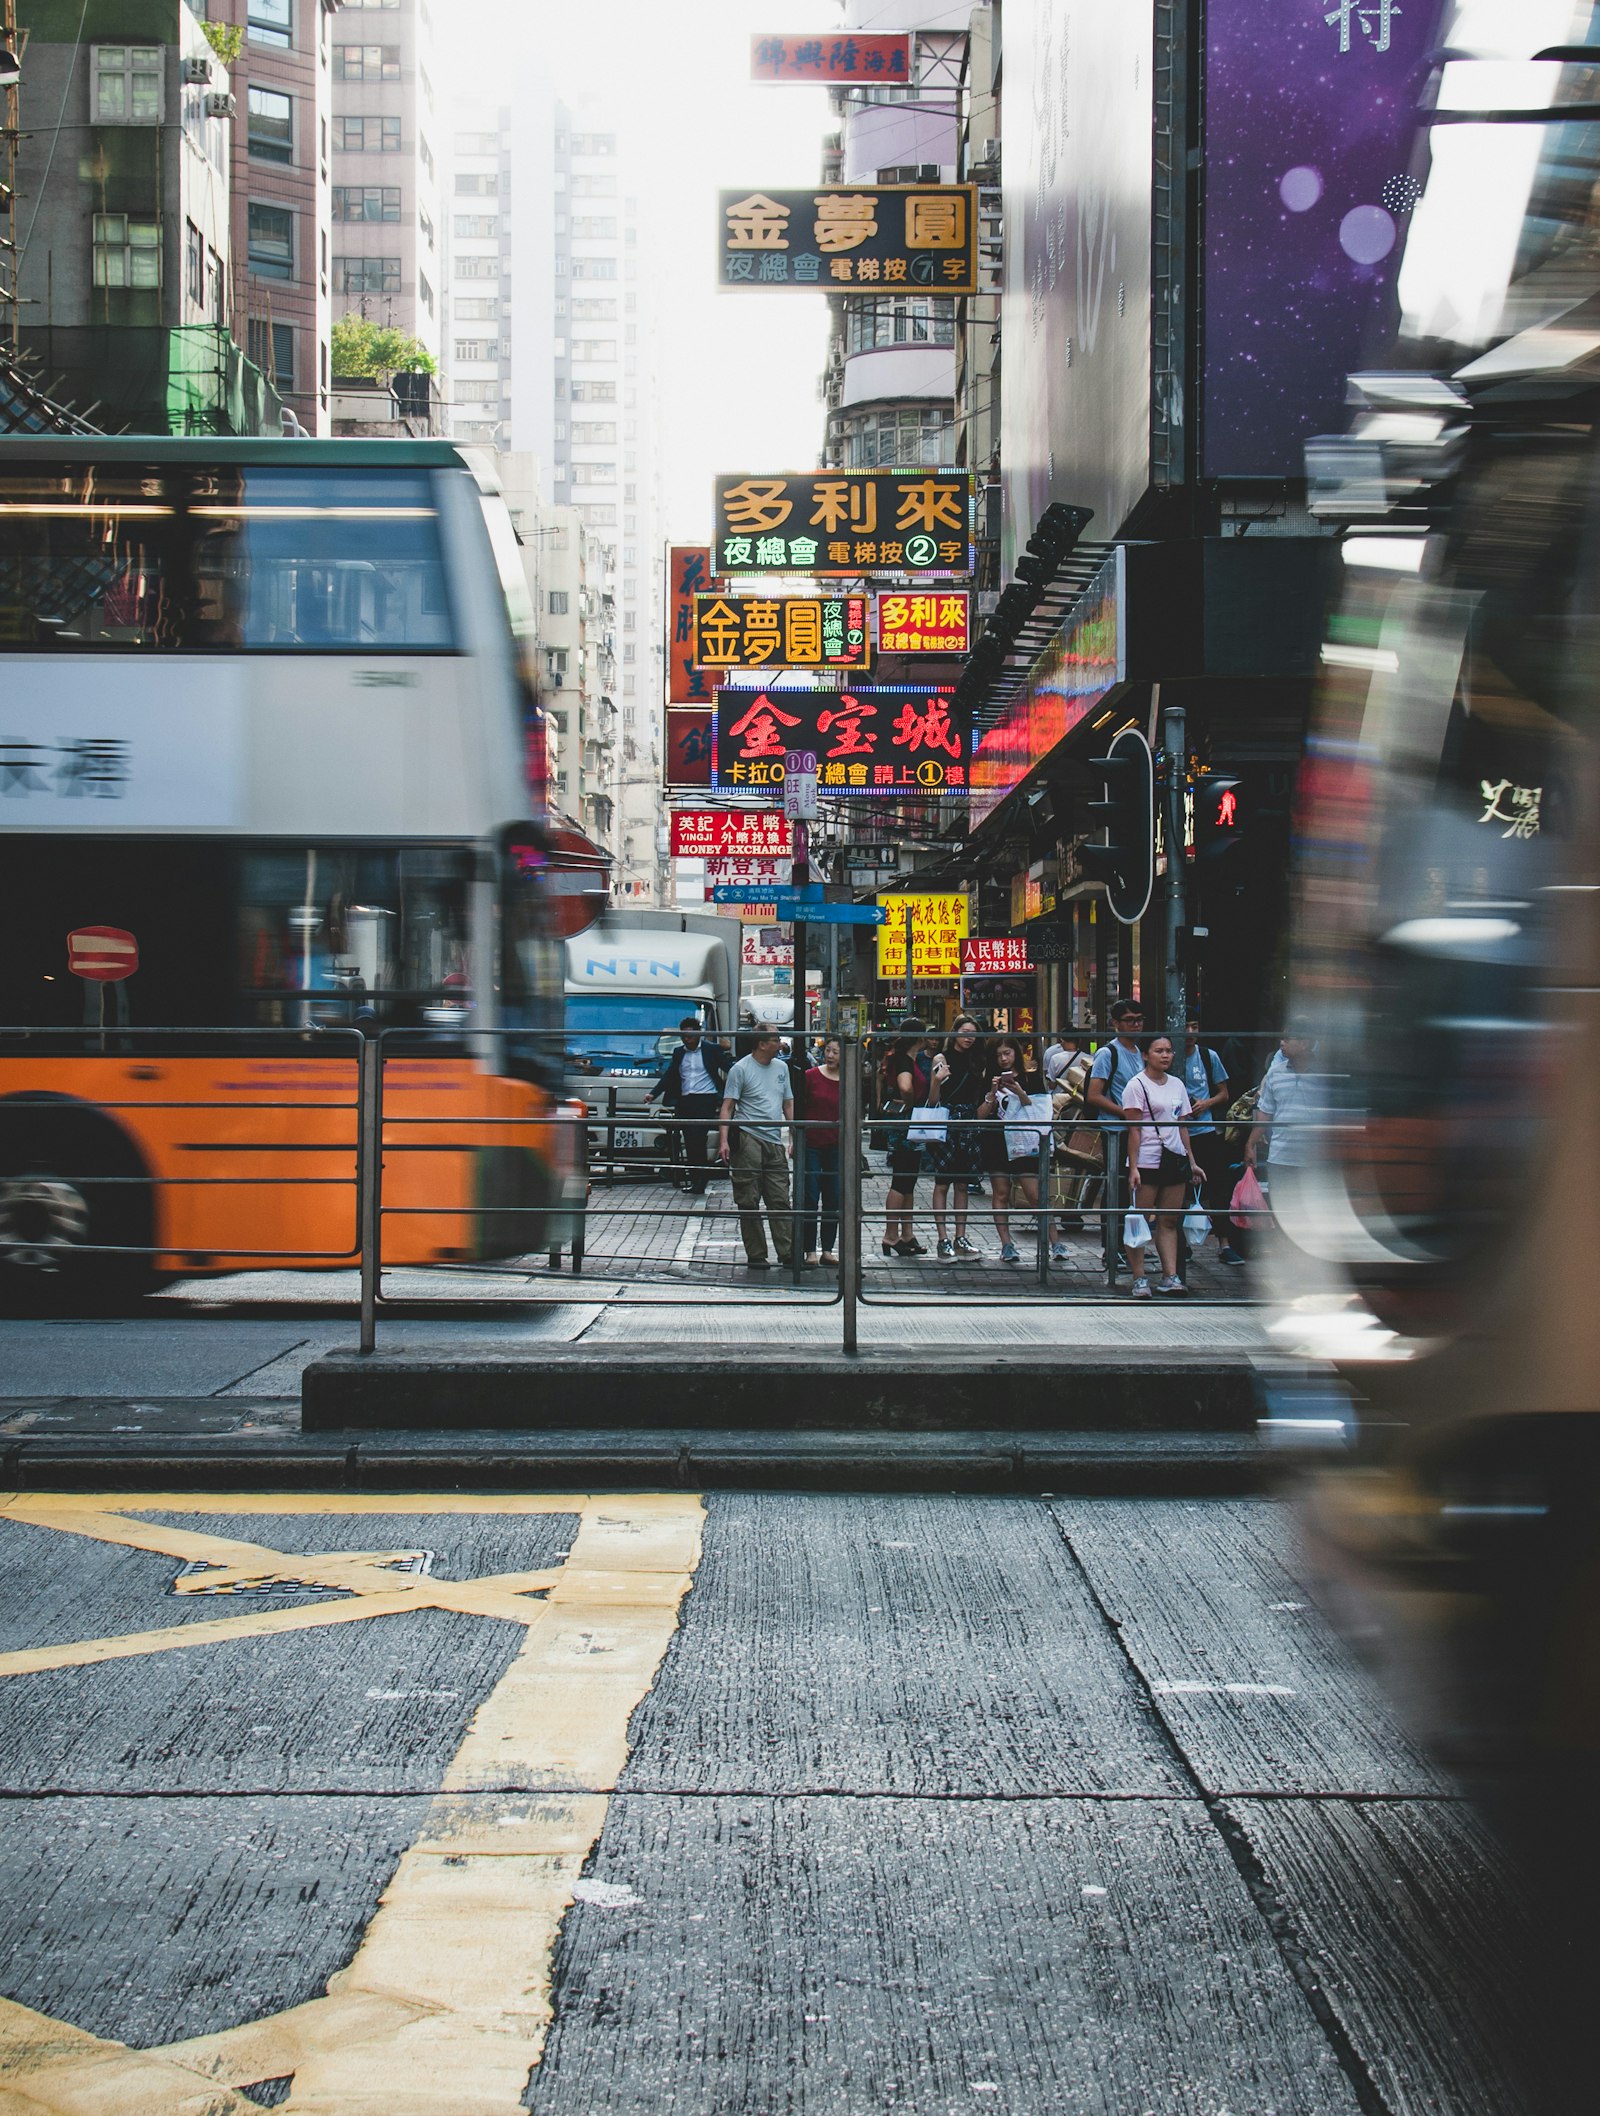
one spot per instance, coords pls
(479, 284)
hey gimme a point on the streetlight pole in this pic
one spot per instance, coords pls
(1174, 742)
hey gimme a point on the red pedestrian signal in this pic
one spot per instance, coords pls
(1227, 809)
(1219, 817)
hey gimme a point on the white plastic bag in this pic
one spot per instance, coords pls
(1135, 1231)
(929, 1125)
(1196, 1226)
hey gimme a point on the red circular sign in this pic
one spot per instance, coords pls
(105, 955)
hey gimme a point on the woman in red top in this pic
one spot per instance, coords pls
(819, 1107)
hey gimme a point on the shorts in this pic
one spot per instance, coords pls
(905, 1165)
(1022, 1165)
(1171, 1168)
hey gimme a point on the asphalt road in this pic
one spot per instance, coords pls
(821, 1805)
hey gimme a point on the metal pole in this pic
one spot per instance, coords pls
(1110, 1199)
(850, 1189)
(1042, 1217)
(1176, 747)
(369, 1174)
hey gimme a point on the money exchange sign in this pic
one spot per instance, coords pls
(846, 522)
(789, 631)
(922, 937)
(688, 575)
(874, 739)
(925, 624)
(730, 833)
(885, 61)
(850, 237)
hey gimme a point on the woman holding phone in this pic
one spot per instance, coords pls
(1013, 1081)
(1161, 1161)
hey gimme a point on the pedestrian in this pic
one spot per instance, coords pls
(1280, 1138)
(1161, 1162)
(1014, 1080)
(957, 1080)
(691, 1086)
(1209, 1091)
(758, 1098)
(820, 1087)
(903, 1081)
(1114, 1065)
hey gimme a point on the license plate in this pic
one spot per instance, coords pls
(629, 1141)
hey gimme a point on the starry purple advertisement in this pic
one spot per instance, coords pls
(1310, 126)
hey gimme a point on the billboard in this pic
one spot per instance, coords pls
(850, 522)
(925, 624)
(879, 739)
(730, 833)
(995, 958)
(849, 237)
(934, 927)
(1310, 114)
(787, 631)
(1075, 316)
(688, 575)
(885, 62)
(686, 752)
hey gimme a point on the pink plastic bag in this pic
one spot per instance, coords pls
(1249, 1202)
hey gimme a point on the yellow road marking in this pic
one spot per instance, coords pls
(444, 2007)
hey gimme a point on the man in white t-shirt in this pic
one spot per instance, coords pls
(758, 1098)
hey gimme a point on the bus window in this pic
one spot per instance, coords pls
(252, 558)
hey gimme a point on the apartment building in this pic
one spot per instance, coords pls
(479, 283)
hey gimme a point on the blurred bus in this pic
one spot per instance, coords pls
(263, 713)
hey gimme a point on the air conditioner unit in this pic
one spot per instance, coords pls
(220, 106)
(196, 72)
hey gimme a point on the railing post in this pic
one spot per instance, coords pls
(1042, 1218)
(850, 1191)
(1111, 1198)
(797, 1198)
(369, 1176)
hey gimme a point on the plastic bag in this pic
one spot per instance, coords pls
(1135, 1231)
(1249, 1202)
(929, 1125)
(1196, 1226)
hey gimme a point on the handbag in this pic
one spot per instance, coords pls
(882, 1137)
(929, 1125)
(1022, 1139)
(1135, 1231)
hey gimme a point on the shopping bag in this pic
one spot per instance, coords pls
(1135, 1231)
(928, 1125)
(1249, 1202)
(1196, 1226)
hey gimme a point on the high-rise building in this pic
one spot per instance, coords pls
(478, 285)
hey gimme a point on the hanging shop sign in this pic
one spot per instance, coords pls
(925, 624)
(769, 947)
(686, 752)
(688, 575)
(994, 958)
(921, 936)
(760, 874)
(885, 62)
(851, 237)
(876, 739)
(785, 631)
(852, 522)
(727, 833)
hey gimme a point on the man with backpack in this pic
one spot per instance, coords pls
(1115, 1064)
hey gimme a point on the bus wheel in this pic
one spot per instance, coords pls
(69, 1182)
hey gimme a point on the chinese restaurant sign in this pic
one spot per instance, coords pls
(790, 631)
(884, 739)
(686, 753)
(935, 926)
(846, 521)
(884, 61)
(851, 236)
(994, 958)
(730, 833)
(688, 575)
(925, 624)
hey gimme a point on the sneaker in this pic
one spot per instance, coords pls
(1139, 1290)
(1009, 1254)
(1060, 1253)
(1229, 1255)
(1169, 1284)
(966, 1248)
(947, 1254)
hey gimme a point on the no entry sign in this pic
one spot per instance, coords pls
(105, 955)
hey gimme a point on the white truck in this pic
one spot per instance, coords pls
(630, 980)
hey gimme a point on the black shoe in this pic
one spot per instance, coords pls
(758, 1263)
(908, 1249)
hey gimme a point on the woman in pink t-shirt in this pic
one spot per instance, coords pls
(1161, 1162)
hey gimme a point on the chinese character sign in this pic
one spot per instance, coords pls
(925, 624)
(785, 631)
(686, 752)
(846, 522)
(688, 575)
(851, 238)
(927, 930)
(885, 62)
(729, 833)
(994, 958)
(874, 739)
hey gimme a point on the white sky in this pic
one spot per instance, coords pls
(738, 370)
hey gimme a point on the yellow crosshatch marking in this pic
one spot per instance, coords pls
(442, 2010)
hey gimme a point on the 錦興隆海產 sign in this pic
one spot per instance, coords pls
(883, 739)
(851, 238)
(785, 631)
(850, 522)
(925, 624)
(884, 61)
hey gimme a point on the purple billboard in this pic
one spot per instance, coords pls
(1310, 123)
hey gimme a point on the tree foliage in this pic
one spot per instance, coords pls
(362, 347)
(226, 40)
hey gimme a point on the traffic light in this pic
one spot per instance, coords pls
(1126, 859)
(1219, 815)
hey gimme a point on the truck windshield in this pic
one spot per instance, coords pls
(621, 1032)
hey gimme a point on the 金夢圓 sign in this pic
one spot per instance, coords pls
(925, 624)
(994, 958)
(884, 61)
(846, 522)
(787, 631)
(688, 575)
(921, 937)
(725, 833)
(851, 238)
(876, 739)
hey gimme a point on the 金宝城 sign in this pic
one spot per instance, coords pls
(878, 739)
(731, 833)
(922, 936)
(846, 522)
(885, 61)
(925, 624)
(851, 237)
(788, 631)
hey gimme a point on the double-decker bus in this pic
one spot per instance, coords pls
(264, 730)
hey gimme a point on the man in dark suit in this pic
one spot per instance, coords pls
(691, 1087)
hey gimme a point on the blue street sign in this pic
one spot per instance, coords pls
(809, 912)
(764, 892)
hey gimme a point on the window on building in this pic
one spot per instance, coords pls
(594, 143)
(558, 602)
(425, 292)
(271, 347)
(366, 202)
(593, 311)
(478, 226)
(905, 437)
(478, 143)
(127, 252)
(899, 319)
(594, 393)
(477, 392)
(366, 62)
(425, 84)
(595, 433)
(194, 264)
(392, 5)
(910, 173)
(594, 348)
(271, 246)
(425, 154)
(271, 22)
(594, 187)
(271, 122)
(366, 275)
(469, 308)
(603, 516)
(589, 227)
(367, 135)
(216, 289)
(630, 652)
(477, 268)
(594, 473)
(129, 84)
(594, 268)
(477, 348)
(425, 223)
(481, 186)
